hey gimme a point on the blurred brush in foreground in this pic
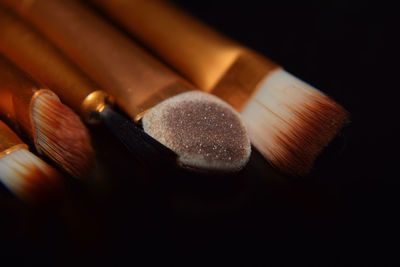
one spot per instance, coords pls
(23, 173)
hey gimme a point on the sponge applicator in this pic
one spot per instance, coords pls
(203, 130)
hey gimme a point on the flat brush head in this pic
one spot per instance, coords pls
(290, 122)
(61, 135)
(29, 177)
(204, 131)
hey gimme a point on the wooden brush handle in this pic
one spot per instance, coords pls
(33, 53)
(106, 55)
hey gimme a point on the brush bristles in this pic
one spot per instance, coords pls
(29, 177)
(62, 136)
(290, 122)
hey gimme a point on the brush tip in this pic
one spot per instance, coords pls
(29, 177)
(290, 122)
(204, 131)
(61, 135)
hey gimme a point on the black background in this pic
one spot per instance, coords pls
(343, 213)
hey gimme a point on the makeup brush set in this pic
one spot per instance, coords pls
(62, 64)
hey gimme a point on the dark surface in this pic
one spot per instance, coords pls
(343, 213)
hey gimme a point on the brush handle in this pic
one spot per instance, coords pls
(209, 60)
(17, 92)
(9, 141)
(176, 37)
(123, 69)
(43, 61)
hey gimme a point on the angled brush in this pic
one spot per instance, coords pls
(204, 131)
(37, 56)
(23, 173)
(37, 113)
(289, 121)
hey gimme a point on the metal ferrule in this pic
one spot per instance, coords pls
(94, 104)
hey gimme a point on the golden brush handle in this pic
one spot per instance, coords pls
(44, 62)
(177, 37)
(211, 61)
(123, 69)
(9, 141)
(17, 91)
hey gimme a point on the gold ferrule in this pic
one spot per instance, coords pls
(9, 141)
(95, 103)
(242, 78)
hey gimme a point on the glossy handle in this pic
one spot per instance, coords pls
(17, 91)
(33, 53)
(206, 58)
(122, 68)
(201, 54)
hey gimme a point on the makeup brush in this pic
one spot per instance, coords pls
(52, 127)
(289, 121)
(23, 173)
(37, 56)
(204, 131)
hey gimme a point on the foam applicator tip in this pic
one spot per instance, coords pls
(204, 131)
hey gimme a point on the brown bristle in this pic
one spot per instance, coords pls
(29, 177)
(312, 128)
(204, 131)
(62, 136)
(290, 122)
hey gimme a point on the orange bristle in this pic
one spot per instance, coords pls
(61, 135)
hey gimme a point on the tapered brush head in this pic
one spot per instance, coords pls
(29, 177)
(61, 135)
(204, 131)
(290, 122)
